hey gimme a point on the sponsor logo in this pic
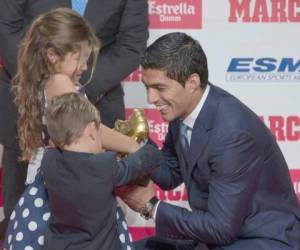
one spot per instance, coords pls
(283, 128)
(177, 194)
(174, 14)
(295, 176)
(265, 69)
(264, 11)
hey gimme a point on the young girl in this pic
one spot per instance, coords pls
(51, 59)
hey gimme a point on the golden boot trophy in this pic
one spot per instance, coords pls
(136, 127)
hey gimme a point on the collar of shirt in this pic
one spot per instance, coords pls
(191, 118)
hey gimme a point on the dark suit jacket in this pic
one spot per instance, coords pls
(237, 181)
(81, 200)
(121, 25)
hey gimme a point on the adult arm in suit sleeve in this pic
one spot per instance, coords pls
(168, 176)
(12, 29)
(121, 57)
(235, 166)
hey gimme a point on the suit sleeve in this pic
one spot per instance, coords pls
(135, 165)
(168, 176)
(12, 28)
(235, 166)
(120, 58)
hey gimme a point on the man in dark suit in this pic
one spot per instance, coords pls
(122, 27)
(238, 183)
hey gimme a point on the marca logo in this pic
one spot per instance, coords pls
(284, 128)
(175, 14)
(265, 69)
(177, 194)
(158, 127)
(264, 11)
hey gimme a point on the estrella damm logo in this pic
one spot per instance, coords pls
(175, 14)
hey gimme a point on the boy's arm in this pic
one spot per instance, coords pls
(137, 164)
(168, 176)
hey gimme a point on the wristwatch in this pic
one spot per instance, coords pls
(145, 211)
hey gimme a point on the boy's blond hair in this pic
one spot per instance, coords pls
(67, 116)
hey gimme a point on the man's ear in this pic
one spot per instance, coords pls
(52, 56)
(193, 82)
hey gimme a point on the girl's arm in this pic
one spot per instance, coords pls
(115, 141)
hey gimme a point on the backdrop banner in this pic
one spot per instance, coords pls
(252, 48)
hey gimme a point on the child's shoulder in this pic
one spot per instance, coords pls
(50, 153)
(104, 156)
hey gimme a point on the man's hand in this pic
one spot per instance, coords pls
(136, 196)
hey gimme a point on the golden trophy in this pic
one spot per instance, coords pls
(136, 127)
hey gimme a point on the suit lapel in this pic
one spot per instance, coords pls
(91, 9)
(198, 142)
(201, 130)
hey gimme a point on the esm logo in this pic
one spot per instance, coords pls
(268, 69)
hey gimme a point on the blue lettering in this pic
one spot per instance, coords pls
(287, 64)
(266, 64)
(239, 65)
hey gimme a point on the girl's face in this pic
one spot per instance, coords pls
(74, 63)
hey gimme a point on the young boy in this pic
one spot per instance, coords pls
(80, 177)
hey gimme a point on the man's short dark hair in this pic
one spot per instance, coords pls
(179, 55)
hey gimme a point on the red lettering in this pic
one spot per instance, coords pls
(239, 9)
(278, 11)
(260, 10)
(276, 127)
(185, 195)
(160, 193)
(178, 194)
(135, 76)
(291, 123)
(284, 128)
(295, 177)
(264, 11)
(294, 16)
(174, 195)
